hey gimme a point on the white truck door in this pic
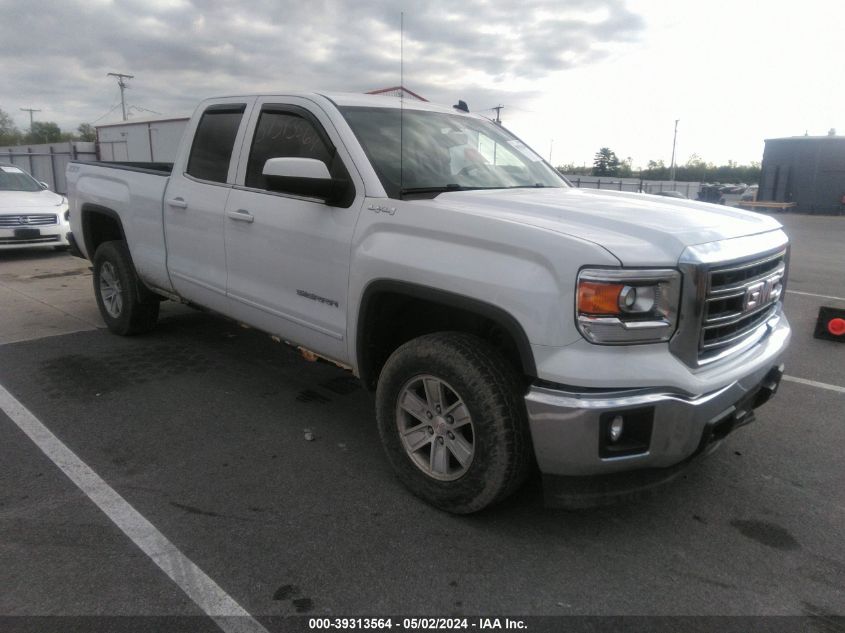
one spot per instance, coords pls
(195, 203)
(287, 255)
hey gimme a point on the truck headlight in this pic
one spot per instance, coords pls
(618, 306)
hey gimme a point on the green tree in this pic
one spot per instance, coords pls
(695, 169)
(656, 170)
(574, 170)
(605, 162)
(9, 134)
(625, 168)
(44, 132)
(87, 132)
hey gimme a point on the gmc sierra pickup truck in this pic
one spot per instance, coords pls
(505, 320)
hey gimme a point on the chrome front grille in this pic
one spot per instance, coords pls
(23, 219)
(731, 296)
(28, 240)
(740, 299)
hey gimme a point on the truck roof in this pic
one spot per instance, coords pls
(355, 99)
(383, 101)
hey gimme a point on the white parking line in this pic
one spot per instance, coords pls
(813, 294)
(206, 593)
(813, 383)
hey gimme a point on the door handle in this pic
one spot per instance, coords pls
(179, 203)
(241, 215)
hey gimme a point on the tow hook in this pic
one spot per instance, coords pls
(769, 386)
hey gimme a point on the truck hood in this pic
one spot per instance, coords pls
(638, 229)
(15, 200)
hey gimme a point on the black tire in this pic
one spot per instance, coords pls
(138, 307)
(490, 389)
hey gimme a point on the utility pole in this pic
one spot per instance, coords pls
(498, 110)
(674, 139)
(122, 83)
(30, 110)
(551, 146)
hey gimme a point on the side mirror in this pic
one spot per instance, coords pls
(43, 184)
(303, 177)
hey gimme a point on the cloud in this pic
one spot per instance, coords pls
(56, 53)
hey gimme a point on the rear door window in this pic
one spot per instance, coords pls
(214, 141)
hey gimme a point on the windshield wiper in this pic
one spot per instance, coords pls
(434, 190)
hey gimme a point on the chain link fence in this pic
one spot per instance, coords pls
(637, 185)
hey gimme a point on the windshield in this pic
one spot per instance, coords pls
(15, 179)
(443, 152)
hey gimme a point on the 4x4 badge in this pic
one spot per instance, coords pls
(380, 208)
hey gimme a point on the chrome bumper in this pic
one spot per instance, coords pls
(41, 235)
(567, 427)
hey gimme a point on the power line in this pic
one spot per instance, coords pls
(121, 77)
(30, 110)
(113, 108)
(498, 110)
(140, 109)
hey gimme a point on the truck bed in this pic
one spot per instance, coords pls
(134, 192)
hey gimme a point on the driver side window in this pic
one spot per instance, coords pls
(284, 134)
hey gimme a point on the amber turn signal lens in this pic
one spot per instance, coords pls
(599, 298)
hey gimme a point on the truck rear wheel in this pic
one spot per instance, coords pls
(452, 421)
(126, 306)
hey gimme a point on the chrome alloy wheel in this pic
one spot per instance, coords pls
(110, 290)
(435, 427)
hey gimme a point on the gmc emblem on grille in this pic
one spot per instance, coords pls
(762, 293)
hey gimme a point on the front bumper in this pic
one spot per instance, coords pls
(27, 237)
(667, 428)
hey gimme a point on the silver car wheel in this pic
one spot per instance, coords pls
(435, 427)
(110, 290)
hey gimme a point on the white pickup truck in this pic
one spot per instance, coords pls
(506, 320)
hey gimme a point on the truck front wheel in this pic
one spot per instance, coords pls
(453, 422)
(126, 307)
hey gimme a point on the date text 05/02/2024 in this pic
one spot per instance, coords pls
(415, 624)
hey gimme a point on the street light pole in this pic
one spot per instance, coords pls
(674, 140)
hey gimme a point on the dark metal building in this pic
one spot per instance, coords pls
(806, 170)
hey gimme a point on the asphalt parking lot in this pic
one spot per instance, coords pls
(201, 428)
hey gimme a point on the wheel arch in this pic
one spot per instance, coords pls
(373, 346)
(99, 224)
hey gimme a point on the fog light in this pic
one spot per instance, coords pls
(616, 427)
(625, 432)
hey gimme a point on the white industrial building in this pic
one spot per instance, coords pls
(141, 140)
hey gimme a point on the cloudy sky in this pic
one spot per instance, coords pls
(573, 75)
